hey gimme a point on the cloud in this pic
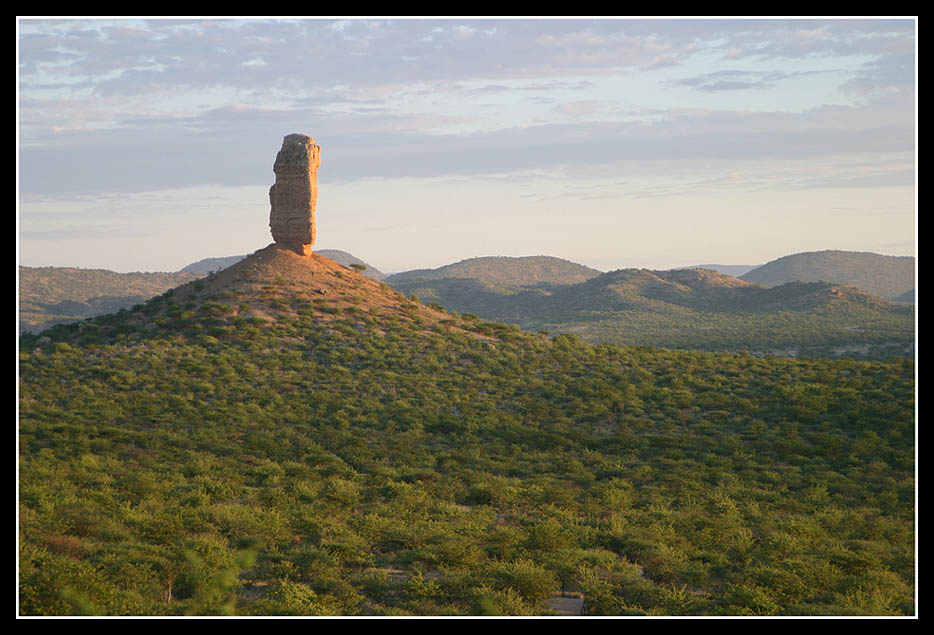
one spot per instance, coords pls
(887, 76)
(726, 80)
(116, 57)
(237, 146)
(105, 68)
(808, 38)
(127, 105)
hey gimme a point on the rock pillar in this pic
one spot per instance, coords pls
(293, 196)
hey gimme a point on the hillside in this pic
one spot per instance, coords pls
(716, 312)
(288, 437)
(258, 290)
(210, 265)
(689, 309)
(644, 289)
(55, 295)
(685, 309)
(702, 289)
(503, 272)
(887, 277)
(730, 270)
(60, 295)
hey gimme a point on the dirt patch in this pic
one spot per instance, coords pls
(567, 604)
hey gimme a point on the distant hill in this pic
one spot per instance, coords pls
(908, 298)
(887, 277)
(273, 284)
(683, 308)
(643, 289)
(494, 287)
(57, 295)
(504, 271)
(702, 289)
(341, 257)
(705, 310)
(208, 265)
(730, 270)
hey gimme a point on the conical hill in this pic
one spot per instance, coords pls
(275, 281)
(273, 285)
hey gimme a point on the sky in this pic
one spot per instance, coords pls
(145, 145)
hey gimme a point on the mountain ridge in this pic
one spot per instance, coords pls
(887, 277)
(691, 309)
(679, 308)
(509, 271)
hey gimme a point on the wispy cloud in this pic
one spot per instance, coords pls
(668, 106)
(740, 79)
(232, 146)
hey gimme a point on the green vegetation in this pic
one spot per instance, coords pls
(504, 272)
(185, 458)
(889, 277)
(61, 295)
(690, 309)
(57, 295)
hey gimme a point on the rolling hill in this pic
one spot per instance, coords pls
(56, 295)
(59, 295)
(684, 309)
(688, 309)
(503, 272)
(888, 277)
(209, 265)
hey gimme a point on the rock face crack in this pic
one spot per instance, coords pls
(293, 196)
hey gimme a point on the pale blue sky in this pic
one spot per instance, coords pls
(148, 144)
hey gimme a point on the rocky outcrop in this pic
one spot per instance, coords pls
(293, 196)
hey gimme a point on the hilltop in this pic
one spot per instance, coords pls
(208, 265)
(259, 290)
(702, 289)
(888, 277)
(730, 270)
(275, 281)
(490, 286)
(60, 295)
(645, 289)
(503, 272)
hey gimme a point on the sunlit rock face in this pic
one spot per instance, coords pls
(293, 196)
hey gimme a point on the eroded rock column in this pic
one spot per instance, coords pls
(293, 196)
